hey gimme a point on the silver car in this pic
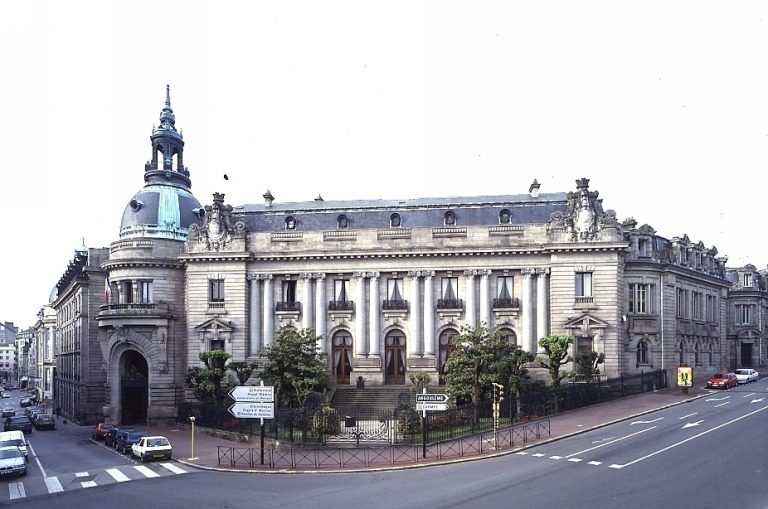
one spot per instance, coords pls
(746, 376)
(12, 461)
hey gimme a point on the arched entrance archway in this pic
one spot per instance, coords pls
(134, 388)
(394, 354)
(446, 348)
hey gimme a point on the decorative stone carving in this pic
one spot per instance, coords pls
(583, 219)
(217, 233)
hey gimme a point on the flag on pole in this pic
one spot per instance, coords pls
(107, 289)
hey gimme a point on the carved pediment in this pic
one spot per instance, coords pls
(585, 325)
(215, 329)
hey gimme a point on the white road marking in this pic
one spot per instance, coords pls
(16, 490)
(645, 422)
(575, 460)
(689, 439)
(687, 416)
(147, 472)
(689, 424)
(117, 475)
(555, 457)
(173, 468)
(81, 474)
(612, 441)
(88, 484)
(722, 404)
(595, 463)
(53, 484)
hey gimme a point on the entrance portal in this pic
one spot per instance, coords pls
(134, 388)
(746, 355)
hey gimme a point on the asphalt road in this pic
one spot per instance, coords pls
(709, 453)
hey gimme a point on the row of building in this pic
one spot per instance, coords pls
(384, 283)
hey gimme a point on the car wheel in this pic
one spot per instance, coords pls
(143, 459)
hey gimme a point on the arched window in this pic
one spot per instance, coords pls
(642, 352)
(395, 221)
(445, 351)
(449, 219)
(290, 223)
(342, 222)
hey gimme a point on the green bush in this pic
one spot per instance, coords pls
(408, 422)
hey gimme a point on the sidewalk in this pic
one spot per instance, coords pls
(205, 453)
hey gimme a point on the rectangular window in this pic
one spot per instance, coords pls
(216, 290)
(747, 280)
(711, 308)
(643, 249)
(449, 290)
(145, 292)
(681, 303)
(584, 345)
(504, 291)
(640, 299)
(583, 284)
(744, 314)
(395, 299)
(698, 306)
(289, 291)
(341, 290)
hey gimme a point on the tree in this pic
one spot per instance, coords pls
(587, 364)
(243, 370)
(207, 382)
(481, 357)
(294, 366)
(556, 347)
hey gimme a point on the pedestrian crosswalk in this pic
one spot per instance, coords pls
(31, 486)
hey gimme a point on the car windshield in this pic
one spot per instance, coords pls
(12, 443)
(718, 375)
(9, 453)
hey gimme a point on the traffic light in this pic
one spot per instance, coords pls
(498, 393)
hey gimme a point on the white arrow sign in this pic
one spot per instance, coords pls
(253, 410)
(690, 424)
(645, 422)
(253, 393)
(757, 400)
(431, 406)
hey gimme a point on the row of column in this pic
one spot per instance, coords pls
(421, 318)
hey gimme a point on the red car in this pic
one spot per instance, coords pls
(723, 380)
(101, 430)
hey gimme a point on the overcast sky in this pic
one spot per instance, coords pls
(662, 104)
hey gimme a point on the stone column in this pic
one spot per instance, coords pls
(529, 342)
(306, 311)
(269, 311)
(542, 306)
(374, 337)
(470, 313)
(414, 342)
(359, 342)
(321, 314)
(429, 314)
(254, 313)
(485, 304)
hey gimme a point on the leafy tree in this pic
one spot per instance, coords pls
(243, 370)
(207, 382)
(420, 380)
(481, 357)
(294, 366)
(556, 347)
(588, 363)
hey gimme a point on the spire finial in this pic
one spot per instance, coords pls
(167, 119)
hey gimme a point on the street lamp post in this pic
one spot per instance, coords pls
(192, 420)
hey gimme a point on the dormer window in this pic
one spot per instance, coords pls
(395, 221)
(748, 280)
(643, 248)
(290, 223)
(449, 219)
(342, 222)
(504, 216)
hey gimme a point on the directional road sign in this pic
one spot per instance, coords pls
(431, 398)
(253, 393)
(253, 410)
(431, 406)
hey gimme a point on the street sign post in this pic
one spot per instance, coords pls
(253, 393)
(431, 406)
(431, 398)
(245, 410)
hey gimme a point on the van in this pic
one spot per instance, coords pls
(14, 438)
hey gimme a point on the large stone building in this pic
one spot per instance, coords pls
(385, 283)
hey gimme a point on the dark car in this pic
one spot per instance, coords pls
(126, 440)
(18, 422)
(44, 421)
(110, 438)
(25, 402)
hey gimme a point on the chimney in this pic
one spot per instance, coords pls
(268, 199)
(534, 189)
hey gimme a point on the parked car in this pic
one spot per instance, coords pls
(110, 438)
(8, 411)
(723, 380)
(100, 430)
(5, 394)
(125, 441)
(18, 422)
(746, 376)
(44, 421)
(12, 461)
(154, 447)
(14, 439)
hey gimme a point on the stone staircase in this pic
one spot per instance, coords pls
(350, 400)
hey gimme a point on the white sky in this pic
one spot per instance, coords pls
(662, 104)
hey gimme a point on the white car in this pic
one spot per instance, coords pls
(746, 375)
(154, 447)
(12, 461)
